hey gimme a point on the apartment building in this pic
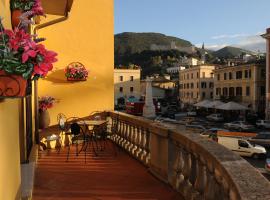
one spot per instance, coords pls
(267, 106)
(196, 83)
(126, 85)
(243, 83)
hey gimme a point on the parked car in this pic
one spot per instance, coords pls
(267, 165)
(212, 131)
(199, 122)
(215, 117)
(263, 124)
(263, 139)
(192, 113)
(242, 147)
(239, 125)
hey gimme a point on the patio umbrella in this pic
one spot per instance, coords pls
(214, 104)
(202, 103)
(232, 106)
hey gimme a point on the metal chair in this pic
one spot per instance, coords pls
(79, 132)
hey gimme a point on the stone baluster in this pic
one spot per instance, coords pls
(125, 130)
(126, 135)
(186, 185)
(180, 169)
(121, 132)
(142, 144)
(129, 148)
(148, 147)
(134, 140)
(138, 150)
(200, 183)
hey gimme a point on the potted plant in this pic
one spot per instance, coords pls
(18, 7)
(22, 59)
(76, 72)
(45, 103)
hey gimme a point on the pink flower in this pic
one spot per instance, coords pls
(37, 8)
(27, 54)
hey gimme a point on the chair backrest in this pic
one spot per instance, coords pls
(97, 115)
(75, 128)
(61, 119)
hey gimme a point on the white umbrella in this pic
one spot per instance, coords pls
(202, 103)
(214, 104)
(232, 106)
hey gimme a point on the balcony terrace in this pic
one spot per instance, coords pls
(153, 161)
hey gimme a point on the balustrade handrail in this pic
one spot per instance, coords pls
(198, 168)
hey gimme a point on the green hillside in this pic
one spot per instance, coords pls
(137, 42)
(230, 52)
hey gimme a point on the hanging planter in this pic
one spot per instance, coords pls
(21, 60)
(12, 85)
(19, 7)
(76, 71)
(15, 17)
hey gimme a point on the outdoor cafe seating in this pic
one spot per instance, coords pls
(88, 134)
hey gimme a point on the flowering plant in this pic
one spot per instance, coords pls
(76, 70)
(21, 55)
(46, 102)
(27, 5)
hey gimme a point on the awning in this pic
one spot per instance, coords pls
(57, 7)
(202, 103)
(232, 106)
(214, 104)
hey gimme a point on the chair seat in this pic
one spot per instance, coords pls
(53, 138)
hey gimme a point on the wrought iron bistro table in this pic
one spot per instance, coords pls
(95, 130)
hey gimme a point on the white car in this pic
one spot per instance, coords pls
(191, 113)
(263, 124)
(242, 147)
(215, 117)
(239, 125)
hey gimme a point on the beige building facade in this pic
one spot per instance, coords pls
(243, 83)
(196, 83)
(267, 105)
(126, 85)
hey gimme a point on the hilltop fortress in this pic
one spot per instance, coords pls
(172, 46)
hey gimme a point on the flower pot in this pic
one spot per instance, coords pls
(12, 85)
(76, 79)
(15, 18)
(44, 119)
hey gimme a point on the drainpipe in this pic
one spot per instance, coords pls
(38, 27)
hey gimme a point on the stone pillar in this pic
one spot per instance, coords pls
(267, 106)
(149, 108)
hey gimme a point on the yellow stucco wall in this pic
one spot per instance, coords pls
(88, 37)
(9, 130)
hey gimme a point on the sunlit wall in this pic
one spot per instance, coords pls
(9, 131)
(86, 36)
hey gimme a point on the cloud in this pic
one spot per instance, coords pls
(239, 35)
(253, 43)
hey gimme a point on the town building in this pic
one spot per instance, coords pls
(162, 87)
(244, 84)
(196, 83)
(267, 106)
(126, 85)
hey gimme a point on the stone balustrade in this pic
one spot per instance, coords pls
(196, 167)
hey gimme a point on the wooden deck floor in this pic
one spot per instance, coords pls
(103, 177)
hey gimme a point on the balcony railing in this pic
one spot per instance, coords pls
(196, 167)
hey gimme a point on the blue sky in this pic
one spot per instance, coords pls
(217, 23)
